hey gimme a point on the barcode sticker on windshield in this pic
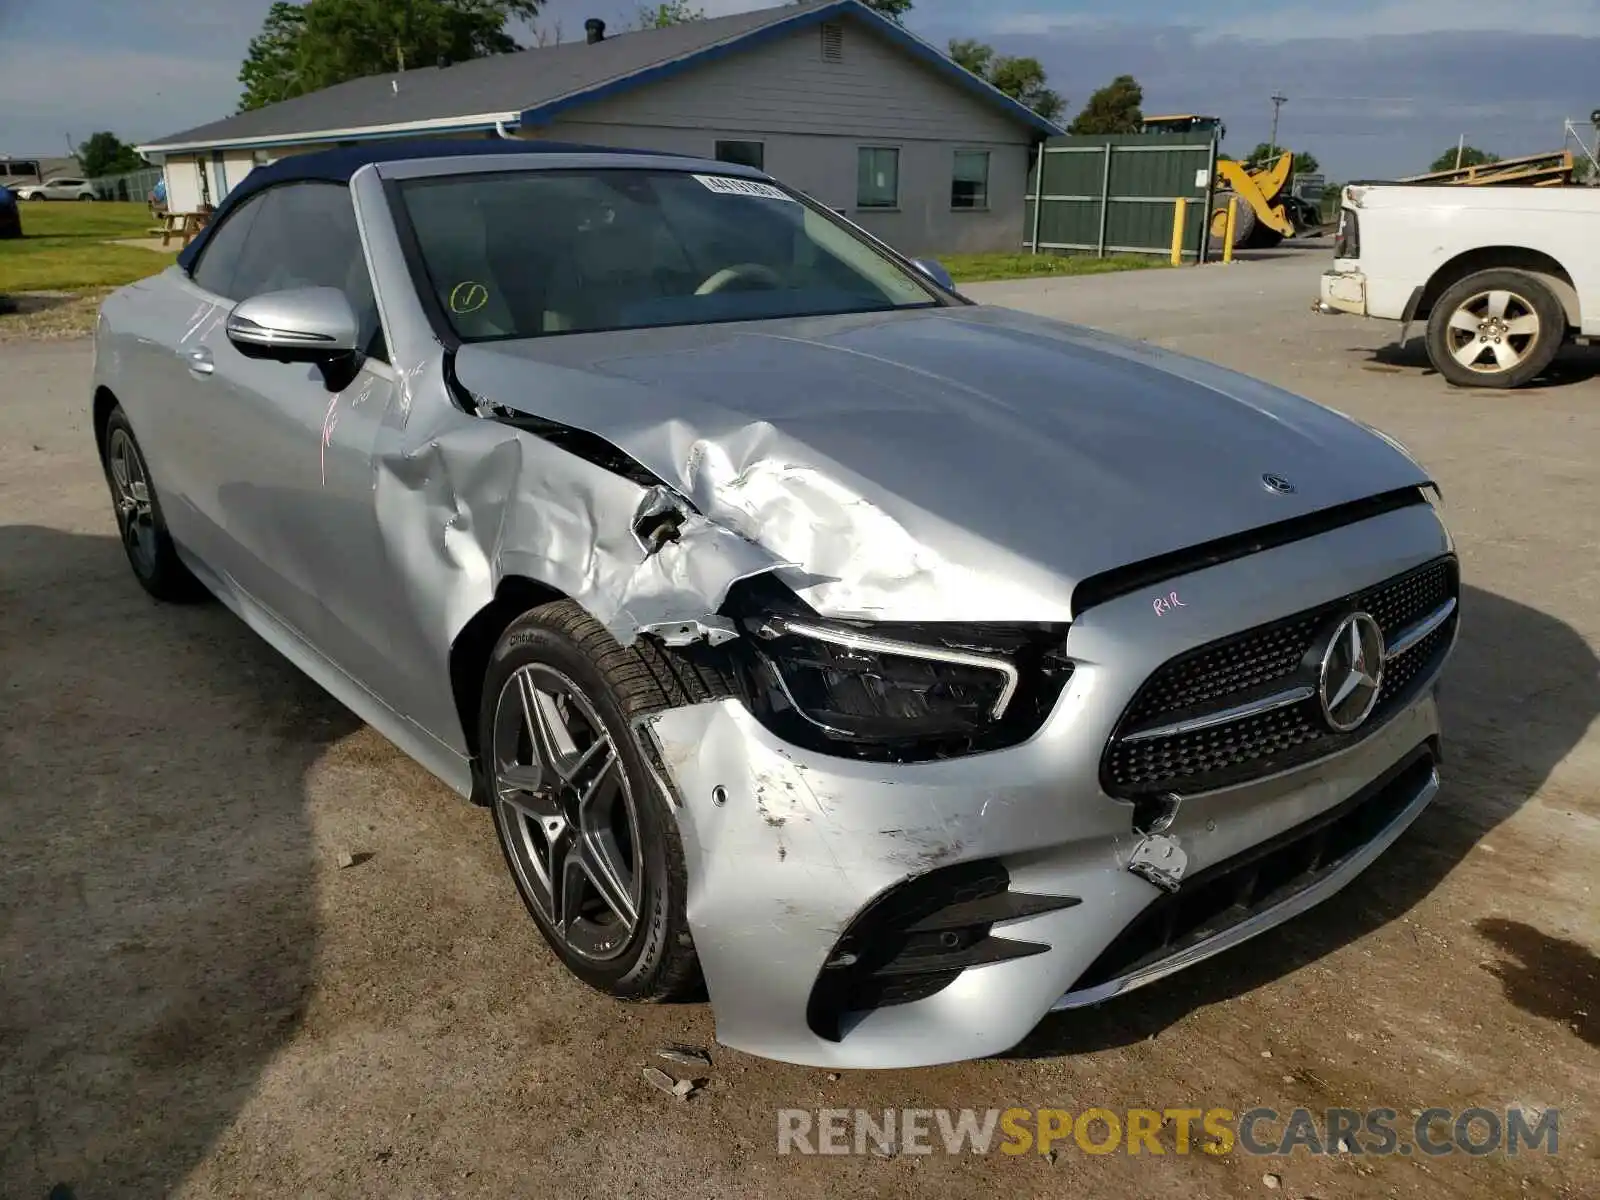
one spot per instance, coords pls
(728, 186)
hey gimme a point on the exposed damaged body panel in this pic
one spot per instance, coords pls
(941, 641)
(944, 464)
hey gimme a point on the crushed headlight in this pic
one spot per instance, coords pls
(860, 686)
(896, 692)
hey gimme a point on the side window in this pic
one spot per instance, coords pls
(306, 236)
(219, 258)
(748, 154)
(969, 182)
(877, 177)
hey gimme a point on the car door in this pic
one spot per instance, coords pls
(166, 371)
(286, 460)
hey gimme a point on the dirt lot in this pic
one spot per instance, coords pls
(195, 999)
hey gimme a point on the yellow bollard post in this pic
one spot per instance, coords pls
(1178, 208)
(1229, 227)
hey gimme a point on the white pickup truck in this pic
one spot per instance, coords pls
(1502, 276)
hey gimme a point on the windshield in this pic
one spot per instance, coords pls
(533, 253)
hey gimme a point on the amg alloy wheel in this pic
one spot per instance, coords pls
(567, 811)
(151, 554)
(591, 842)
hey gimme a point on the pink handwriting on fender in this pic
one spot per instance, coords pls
(1165, 604)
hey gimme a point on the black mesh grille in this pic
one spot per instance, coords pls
(1261, 660)
(1262, 877)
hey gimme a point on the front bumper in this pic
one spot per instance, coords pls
(788, 849)
(1342, 291)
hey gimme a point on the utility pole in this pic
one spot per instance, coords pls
(1461, 146)
(1278, 101)
(399, 42)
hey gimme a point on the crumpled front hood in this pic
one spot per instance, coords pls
(944, 464)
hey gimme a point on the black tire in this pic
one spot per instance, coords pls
(141, 526)
(82, 198)
(1263, 237)
(1474, 300)
(657, 962)
(1244, 223)
(38, 196)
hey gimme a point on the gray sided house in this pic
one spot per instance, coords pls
(826, 95)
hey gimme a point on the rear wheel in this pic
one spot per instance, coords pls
(592, 846)
(150, 551)
(1496, 329)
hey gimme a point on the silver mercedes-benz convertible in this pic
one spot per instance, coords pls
(903, 668)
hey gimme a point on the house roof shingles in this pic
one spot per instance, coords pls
(507, 86)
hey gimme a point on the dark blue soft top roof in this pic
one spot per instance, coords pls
(336, 166)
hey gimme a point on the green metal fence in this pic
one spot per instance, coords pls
(1117, 194)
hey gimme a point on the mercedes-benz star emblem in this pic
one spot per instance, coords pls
(1277, 483)
(1352, 672)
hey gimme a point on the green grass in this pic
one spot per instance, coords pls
(980, 268)
(66, 247)
(99, 220)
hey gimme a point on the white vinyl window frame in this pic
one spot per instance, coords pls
(873, 194)
(980, 196)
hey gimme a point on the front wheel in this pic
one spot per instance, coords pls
(1495, 329)
(591, 842)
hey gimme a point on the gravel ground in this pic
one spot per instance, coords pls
(196, 999)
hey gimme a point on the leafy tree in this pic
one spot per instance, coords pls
(668, 12)
(1023, 79)
(107, 154)
(271, 69)
(895, 10)
(317, 43)
(1471, 156)
(1305, 163)
(973, 55)
(1112, 109)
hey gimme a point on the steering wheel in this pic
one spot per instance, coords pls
(749, 270)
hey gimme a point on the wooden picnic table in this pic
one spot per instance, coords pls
(181, 225)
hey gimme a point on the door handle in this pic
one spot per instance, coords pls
(198, 360)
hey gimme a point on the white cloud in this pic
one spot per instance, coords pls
(1274, 24)
(138, 95)
(1321, 20)
(724, 8)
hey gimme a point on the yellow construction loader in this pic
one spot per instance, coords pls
(1273, 204)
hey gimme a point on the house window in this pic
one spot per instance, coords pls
(833, 43)
(969, 183)
(746, 154)
(877, 177)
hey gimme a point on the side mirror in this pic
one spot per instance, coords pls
(934, 270)
(315, 325)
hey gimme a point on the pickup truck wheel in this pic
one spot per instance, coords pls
(1495, 329)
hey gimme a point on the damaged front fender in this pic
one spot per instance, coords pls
(474, 502)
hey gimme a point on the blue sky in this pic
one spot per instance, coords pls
(1375, 87)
